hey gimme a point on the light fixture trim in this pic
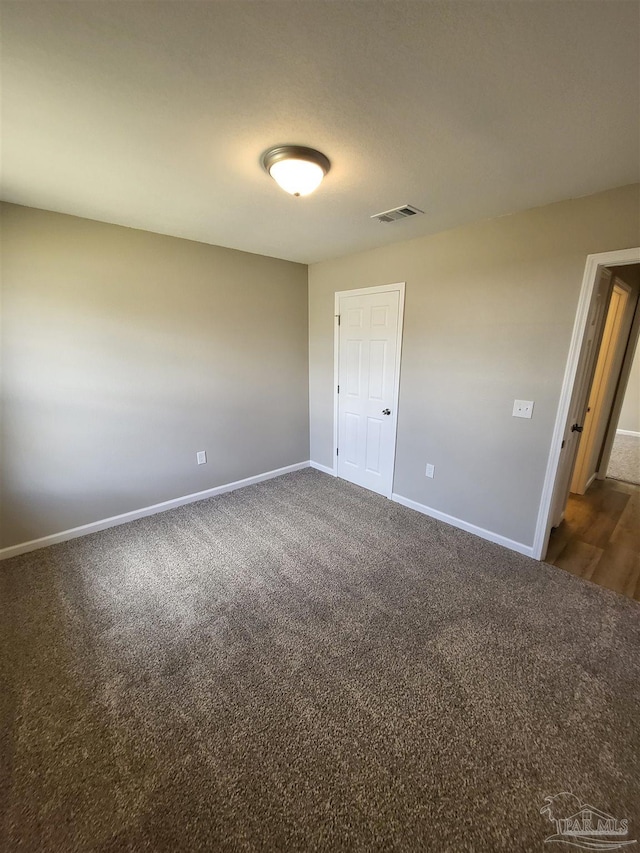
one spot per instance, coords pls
(283, 153)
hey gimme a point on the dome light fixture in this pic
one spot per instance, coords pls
(296, 169)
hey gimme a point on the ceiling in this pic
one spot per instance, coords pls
(155, 115)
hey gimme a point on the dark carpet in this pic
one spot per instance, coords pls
(303, 665)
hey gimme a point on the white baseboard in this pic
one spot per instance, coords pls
(527, 550)
(324, 468)
(115, 520)
(627, 432)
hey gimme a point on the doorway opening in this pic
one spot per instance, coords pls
(593, 523)
(367, 351)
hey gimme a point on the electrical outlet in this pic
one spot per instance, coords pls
(201, 456)
(430, 472)
(522, 408)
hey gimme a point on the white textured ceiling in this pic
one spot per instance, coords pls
(155, 114)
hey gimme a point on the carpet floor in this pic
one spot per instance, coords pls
(624, 463)
(302, 665)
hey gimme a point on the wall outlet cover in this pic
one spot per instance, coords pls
(522, 408)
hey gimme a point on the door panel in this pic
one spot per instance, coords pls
(353, 368)
(354, 318)
(368, 336)
(352, 423)
(377, 363)
(374, 445)
(379, 316)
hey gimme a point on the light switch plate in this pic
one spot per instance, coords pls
(522, 408)
(201, 457)
(430, 470)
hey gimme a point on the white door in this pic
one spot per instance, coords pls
(578, 407)
(368, 359)
(605, 380)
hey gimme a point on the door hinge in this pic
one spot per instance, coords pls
(337, 451)
(338, 316)
(563, 444)
(338, 389)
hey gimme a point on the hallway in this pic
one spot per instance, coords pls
(599, 539)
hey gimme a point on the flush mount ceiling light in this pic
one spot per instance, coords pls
(296, 169)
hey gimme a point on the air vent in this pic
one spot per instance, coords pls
(402, 212)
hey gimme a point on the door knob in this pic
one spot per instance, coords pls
(386, 411)
(576, 428)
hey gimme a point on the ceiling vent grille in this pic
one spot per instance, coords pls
(402, 212)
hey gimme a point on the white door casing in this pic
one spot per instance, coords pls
(368, 346)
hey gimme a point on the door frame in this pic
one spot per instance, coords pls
(365, 291)
(593, 264)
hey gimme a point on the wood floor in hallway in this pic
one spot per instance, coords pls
(599, 538)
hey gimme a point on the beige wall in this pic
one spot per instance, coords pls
(124, 353)
(488, 319)
(630, 412)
